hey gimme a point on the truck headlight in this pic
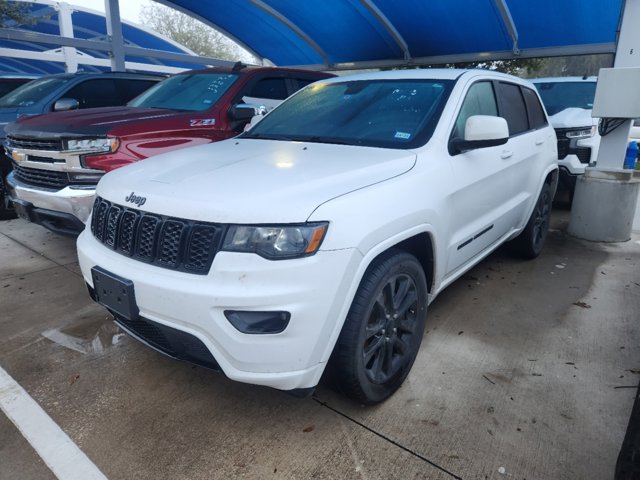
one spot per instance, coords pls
(94, 144)
(586, 132)
(276, 242)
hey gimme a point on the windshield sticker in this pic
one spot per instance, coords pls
(202, 122)
(402, 135)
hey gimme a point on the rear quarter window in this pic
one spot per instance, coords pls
(537, 118)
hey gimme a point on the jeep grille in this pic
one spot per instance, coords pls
(168, 242)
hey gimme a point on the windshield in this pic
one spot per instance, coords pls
(192, 92)
(558, 96)
(32, 92)
(379, 113)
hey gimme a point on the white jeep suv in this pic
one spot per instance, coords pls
(320, 236)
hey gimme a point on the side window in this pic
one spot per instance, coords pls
(480, 100)
(95, 93)
(272, 88)
(537, 118)
(129, 89)
(513, 108)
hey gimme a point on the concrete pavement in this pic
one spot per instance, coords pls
(527, 370)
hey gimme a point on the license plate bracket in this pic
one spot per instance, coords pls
(115, 293)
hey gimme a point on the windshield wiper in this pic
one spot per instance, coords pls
(268, 136)
(332, 140)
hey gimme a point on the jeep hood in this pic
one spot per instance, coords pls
(87, 122)
(573, 118)
(252, 181)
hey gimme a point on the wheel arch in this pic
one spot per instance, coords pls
(418, 241)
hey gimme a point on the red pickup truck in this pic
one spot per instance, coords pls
(58, 158)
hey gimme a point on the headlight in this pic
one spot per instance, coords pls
(582, 133)
(276, 242)
(94, 144)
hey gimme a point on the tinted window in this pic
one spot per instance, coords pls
(273, 88)
(129, 89)
(191, 92)
(10, 85)
(536, 114)
(512, 108)
(558, 96)
(32, 92)
(480, 100)
(100, 92)
(381, 113)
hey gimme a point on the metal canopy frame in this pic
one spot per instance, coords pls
(388, 26)
(113, 43)
(379, 21)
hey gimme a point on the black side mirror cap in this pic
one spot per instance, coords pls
(458, 145)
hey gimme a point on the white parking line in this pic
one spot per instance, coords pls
(61, 455)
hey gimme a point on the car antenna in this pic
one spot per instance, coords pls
(585, 76)
(238, 66)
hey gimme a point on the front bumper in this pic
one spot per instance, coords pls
(71, 203)
(314, 290)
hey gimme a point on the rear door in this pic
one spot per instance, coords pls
(528, 143)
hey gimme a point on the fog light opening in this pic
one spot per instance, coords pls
(258, 322)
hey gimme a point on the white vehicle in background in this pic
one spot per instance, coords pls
(569, 102)
(318, 238)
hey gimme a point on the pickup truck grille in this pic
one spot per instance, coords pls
(167, 242)
(35, 143)
(41, 178)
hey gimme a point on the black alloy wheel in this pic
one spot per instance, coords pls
(530, 242)
(541, 218)
(389, 329)
(383, 330)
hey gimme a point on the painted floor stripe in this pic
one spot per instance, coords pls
(58, 451)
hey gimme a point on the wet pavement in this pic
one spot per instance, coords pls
(528, 370)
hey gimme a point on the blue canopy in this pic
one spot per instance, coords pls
(360, 33)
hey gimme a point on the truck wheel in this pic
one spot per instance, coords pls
(530, 242)
(5, 212)
(383, 330)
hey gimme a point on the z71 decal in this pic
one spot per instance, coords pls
(202, 122)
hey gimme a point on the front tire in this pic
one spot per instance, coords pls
(6, 212)
(383, 330)
(530, 242)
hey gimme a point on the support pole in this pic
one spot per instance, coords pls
(66, 30)
(114, 32)
(606, 196)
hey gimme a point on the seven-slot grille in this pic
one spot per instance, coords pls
(174, 243)
(35, 143)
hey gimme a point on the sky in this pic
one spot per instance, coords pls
(129, 9)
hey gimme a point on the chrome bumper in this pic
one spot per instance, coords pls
(76, 201)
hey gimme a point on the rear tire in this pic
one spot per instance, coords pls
(383, 330)
(530, 242)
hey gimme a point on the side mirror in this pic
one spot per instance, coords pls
(246, 111)
(65, 104)
(481, 131)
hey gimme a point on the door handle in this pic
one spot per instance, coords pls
(539, 141)
(506, 154)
